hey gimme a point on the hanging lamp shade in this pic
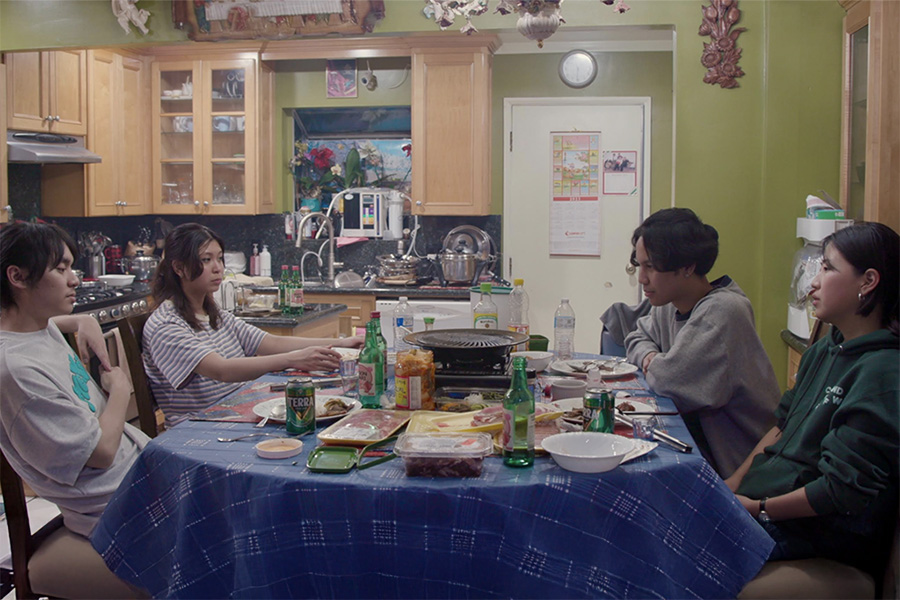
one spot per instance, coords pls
(541, 25)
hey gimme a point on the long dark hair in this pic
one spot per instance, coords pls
(183, 246)
(873, 246)
(676, 238)
(34, 248)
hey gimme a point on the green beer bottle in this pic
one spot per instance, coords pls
(518, 419)
(284, 298)
(371, 370)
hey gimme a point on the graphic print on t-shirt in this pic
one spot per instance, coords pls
(79, 381)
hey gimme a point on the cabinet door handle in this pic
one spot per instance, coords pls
(56, 118)
(47, 118)
(418, 203)
(206, 203)
(196, 203)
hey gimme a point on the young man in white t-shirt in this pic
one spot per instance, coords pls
(60, 432)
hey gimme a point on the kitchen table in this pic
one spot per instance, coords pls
(196, 518)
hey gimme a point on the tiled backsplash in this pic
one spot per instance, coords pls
(240, 233)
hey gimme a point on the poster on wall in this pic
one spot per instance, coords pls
(340, 78)
(620, 172)
(575, 194)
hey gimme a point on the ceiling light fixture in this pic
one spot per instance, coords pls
(538, 19)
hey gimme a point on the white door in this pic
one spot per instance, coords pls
(591, 283)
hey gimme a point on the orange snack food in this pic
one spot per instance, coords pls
(414, 380)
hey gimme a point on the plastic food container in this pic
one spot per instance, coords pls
(443, 454)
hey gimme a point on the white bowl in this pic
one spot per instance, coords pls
(116, 280)
(587, 451)
(567, 388)
(536, 360)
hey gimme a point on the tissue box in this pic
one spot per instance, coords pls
(825, 213)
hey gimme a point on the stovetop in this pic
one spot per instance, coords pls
(90, 298)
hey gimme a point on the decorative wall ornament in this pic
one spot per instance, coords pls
(721, 55)
(127, 13)
(538, 19)
(208, 20)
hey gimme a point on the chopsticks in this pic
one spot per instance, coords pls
(659, 436)
(322, 382)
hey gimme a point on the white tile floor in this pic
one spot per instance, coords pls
(39, 513)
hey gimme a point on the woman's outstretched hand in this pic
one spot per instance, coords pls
(314, 358)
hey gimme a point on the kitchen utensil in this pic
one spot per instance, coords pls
(141, 266)
(588, 451)
(279, 448)
(659, 436)
(348, 279)
(397, 270)
(117, 280)
(278, 409)
(341, 459)
(536, 360)
(468, 348)
(249, 435)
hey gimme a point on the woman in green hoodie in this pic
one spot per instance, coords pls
(824, 480)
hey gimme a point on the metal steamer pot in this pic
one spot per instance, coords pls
(460, 267)
(142, 267)
(397, 270)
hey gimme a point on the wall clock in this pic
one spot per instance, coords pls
(577, 68)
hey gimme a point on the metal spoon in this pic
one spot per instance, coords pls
(249, 435)
(277, 412)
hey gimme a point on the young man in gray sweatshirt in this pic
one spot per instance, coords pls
(698, 345)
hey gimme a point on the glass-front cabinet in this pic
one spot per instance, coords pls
(204, 153)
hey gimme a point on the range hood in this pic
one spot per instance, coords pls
(45, 148)
(373, 122)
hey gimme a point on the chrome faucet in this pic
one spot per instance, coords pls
(303, 260)
(327, 222)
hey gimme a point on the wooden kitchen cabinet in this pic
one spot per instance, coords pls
(47, 91)
(870, 163)
(451, 129)
(211, 124)
(118, 131)
(359, 308)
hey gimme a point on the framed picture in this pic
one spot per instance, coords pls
(340, 78)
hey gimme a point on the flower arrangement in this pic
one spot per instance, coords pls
(315, 171)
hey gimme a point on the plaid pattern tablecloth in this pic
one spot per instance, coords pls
(197, 518)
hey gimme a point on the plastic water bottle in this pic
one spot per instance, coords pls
(518, 311)
(403, 324)
(564, 330)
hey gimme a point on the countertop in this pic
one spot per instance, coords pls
(311, 314)
(794, 341)
(454, 293)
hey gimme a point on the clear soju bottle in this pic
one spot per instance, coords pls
(518, 419)
(371, 370)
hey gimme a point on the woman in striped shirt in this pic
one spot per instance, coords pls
(195, 354)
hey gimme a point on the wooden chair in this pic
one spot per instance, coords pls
(53, 561)
(131, 329)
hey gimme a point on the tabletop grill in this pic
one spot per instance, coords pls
(469, 356)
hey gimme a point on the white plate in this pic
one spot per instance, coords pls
(641, 447)
(347, 352)
(573, 403)
(263, 409)
(619, 369)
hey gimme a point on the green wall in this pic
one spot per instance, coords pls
(744, 159)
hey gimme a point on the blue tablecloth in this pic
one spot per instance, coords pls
(197, 518)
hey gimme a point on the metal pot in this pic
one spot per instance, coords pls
(459, 267)
(397, 270)
(142, 267)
